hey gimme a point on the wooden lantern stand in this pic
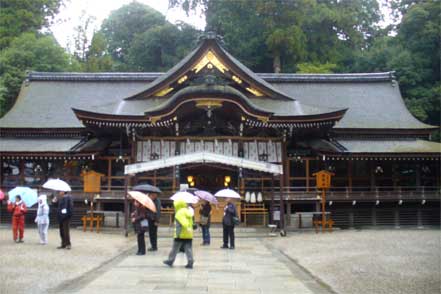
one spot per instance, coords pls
(323, 182)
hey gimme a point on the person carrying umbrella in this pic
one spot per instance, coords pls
(42, 218)
(228, 222)
(139, 221)
(153, 220)
(64, 215)
(183, 234)
(18, 209)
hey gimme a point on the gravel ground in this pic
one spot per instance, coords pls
(33, 268)
(370, 261)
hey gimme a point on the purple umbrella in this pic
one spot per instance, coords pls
(206, 196)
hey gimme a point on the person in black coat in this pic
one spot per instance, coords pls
(64, 215)
(153, 219)
(139, 215)
(228, 222)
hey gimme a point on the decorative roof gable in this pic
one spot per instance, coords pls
(209, 63)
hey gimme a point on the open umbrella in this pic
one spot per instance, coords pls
(146, 188)
(144, 199)
(186, 196)
(28, 195)
(205, 195)
(57, 185)
(227, 193)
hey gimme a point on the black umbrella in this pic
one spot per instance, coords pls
(146, 188)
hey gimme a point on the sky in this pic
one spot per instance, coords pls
(69, 16)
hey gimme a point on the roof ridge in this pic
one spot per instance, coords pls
(269, 77)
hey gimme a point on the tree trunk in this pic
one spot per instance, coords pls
(277, 66)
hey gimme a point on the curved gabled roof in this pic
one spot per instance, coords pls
(223, 59)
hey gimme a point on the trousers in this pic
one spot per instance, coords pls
(42, 231)
(64, 232)
(188, 248)
(18, 227)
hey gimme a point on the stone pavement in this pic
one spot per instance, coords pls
(253, 267)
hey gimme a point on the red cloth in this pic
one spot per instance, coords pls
(18, 219)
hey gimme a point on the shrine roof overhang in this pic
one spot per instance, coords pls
(383, 148)
(210, 52)
(54, 148)
(165, 117)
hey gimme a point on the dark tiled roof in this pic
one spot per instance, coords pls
(44, 103)
(37, 144)
(390, 146)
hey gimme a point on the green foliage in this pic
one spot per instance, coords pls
(29, 52)
(280, 34)
(159, 48)
(123, 25)
(17, 17)
(414, 54)
(140, 39)
(316, 68)
(98, 59)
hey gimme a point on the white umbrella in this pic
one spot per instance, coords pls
(57, 185)
(227, 193)
(186, 196)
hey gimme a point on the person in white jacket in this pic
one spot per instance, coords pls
(42, 218)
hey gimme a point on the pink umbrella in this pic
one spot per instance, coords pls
(2, 195)
(204, 195)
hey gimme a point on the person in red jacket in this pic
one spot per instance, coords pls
(18, 209)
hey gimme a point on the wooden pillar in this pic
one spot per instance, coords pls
(271, 218)
(418, 176)
(127, 181)
(350, 166)
(22, 175)
(371, 176)
(109, 174)
(307, 174)
(174, 180)
(282, 205)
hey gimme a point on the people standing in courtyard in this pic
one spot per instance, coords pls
(183, 234)
(153, 220)
(205, 219)
(140, 223)
(64, 215)
(18, 209)
(42, 218)
(229, 221)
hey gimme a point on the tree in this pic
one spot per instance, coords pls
(29, 51)
(161, 47)
(123, 25)
(17, 17)
(288, 32)
(81, 37)
(98, 59)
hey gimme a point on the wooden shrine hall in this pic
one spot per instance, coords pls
(210, 122)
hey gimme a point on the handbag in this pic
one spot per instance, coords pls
(236, 220)
(204, 220)
(144, 224)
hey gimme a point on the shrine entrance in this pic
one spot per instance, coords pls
(209, 177)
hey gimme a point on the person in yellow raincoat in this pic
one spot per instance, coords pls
(183, 235)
